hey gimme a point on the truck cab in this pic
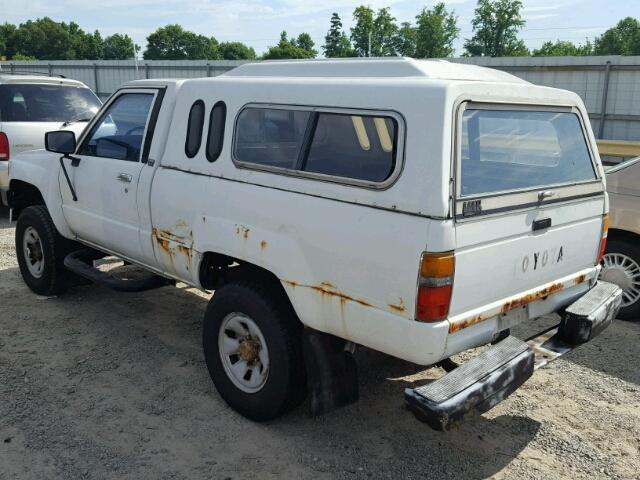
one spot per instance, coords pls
(419, 208)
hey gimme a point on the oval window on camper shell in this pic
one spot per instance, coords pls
(194, 129)
(215, 137)
(353, 146)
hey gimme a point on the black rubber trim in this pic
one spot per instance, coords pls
(280, 189)
(152, 122)
(530, 204)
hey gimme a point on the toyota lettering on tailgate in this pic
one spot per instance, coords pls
(541, 259)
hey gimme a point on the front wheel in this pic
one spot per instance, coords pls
(40, 250)
(252, 346)
(621, 265)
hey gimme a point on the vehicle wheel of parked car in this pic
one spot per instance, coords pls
(252, 346)
(621, 265)
(41, 250)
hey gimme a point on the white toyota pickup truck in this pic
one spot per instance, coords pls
(419, 208)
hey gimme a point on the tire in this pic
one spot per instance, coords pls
(621, 265)
(279, 383)
(46, 246)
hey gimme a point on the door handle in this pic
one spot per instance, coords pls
(124, 177)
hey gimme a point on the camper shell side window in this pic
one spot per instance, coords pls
(339, 145)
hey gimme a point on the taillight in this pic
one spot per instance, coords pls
(603, 239)
(4, 146)
(435, 286)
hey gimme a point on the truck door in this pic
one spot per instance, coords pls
(106, 171)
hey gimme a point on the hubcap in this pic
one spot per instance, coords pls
(625, 272)
(32, 248)
(243, 352)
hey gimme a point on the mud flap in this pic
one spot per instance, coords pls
(492, 376)
(331, 372)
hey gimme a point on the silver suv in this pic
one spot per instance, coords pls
(30, 106)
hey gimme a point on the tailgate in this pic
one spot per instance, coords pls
(529, 207)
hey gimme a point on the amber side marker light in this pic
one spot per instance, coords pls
(603, 239)
(435, 286)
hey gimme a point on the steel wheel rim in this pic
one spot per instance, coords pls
(243, 351)
(32, 250)
(624, 271)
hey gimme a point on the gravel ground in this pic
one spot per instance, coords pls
(96, 384)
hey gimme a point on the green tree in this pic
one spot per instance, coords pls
(436, 31)
(172, 42)
(384, 34)
(374, 35)
(305, 42)
(623, 39)
(44, 39)
(286, 49)
(336, 42)
(495, 29)
(85, 46)
(118, 47)
(405, 40)
(20, 57)
(362, 31)
(7, 32)
(236, 51)
(561, 48)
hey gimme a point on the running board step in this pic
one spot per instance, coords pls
(479, 384)
(492, 376)
(77, 263)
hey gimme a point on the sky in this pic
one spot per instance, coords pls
(258, 23)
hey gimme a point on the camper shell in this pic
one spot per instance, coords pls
(419, 208)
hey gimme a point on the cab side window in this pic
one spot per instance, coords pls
(119, 133)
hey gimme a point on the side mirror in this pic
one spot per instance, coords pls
(61, 141)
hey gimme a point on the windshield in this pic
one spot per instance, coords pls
(506, 150)
(46, 103)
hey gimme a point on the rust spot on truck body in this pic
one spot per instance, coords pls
(163, 239)
(243, 230)
(515, 303)
(186, 251)
(328, 290)
(398, 307)
(532, 297)
(263, 244)
(159, 236)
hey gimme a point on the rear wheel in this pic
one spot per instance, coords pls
(252, 346)
(40, 250)
(621, 265)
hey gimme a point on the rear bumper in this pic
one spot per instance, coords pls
(480, 326)
(492, 376)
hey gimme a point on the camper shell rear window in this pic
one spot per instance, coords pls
(349, 146)
(506, 150)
